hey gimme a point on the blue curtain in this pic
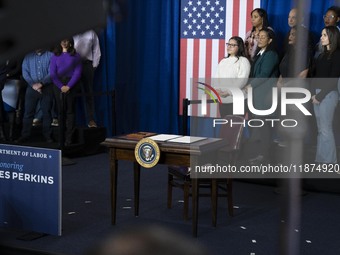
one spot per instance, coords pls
(104, 80)
(278, 15)
(147, 66)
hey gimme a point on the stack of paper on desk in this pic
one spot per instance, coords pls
(163, 137)
(176, 138)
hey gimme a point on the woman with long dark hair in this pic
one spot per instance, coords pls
(259, 20)
(233, 70)
(324, 93)
(65, 72)
(287, 62)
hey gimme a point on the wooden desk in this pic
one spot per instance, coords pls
(171, 154)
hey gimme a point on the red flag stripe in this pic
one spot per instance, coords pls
(195, 73)
(222, 50)
(183, 72)
(236, 17)
(209, 58)
(208, 64)
(250, 7)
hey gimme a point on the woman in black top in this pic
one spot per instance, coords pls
(325, 94)
(287, 66)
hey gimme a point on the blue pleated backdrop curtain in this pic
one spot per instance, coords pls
(147, 63)
(141, 62)
(278, 14)
(105, 77)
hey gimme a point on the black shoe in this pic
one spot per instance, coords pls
(68, 143)
(22, 139)
(259, 159)
(3, 137)
(49, 140)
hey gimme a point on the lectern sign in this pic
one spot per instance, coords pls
(30, 189)
(147, 152)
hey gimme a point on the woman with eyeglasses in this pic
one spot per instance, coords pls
(234, 71)
(331, 18)
(259, 20)
(325, 95)
(263, 74)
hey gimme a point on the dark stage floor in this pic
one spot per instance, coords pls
(254, 229)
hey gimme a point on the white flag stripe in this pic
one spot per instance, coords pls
(257, 3)
(244, 16)
(189, 70)
(229, 20)
(215, 57)
(202, 58)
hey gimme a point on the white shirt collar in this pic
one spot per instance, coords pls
(261, 52)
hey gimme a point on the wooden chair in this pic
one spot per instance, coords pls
(179, 176)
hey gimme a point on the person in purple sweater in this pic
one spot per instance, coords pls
(65, 70)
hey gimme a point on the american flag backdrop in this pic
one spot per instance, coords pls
(206, 25)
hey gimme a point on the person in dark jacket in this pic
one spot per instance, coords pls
(263, 74)
(325, 93)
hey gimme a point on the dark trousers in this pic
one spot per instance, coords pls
(31, 100)
(67, 110)
(260, 139)
(227, 109)
(87, 88)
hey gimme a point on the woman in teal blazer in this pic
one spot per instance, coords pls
(263, 74)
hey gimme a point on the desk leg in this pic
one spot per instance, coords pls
(214, 191)
(136, 168)
(194, 183)
(114, 172)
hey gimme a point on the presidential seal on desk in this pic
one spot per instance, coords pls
(147, 153)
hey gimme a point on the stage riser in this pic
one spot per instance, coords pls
(86, 141)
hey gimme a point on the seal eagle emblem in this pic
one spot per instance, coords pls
(147, 153)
